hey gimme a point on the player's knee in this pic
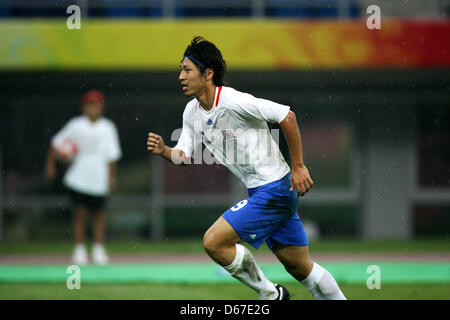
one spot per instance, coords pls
(209, 245)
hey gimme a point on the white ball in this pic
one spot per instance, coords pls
(66, 151)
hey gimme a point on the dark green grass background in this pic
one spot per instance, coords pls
(183, 246)
(210, 292)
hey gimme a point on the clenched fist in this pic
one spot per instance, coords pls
(155, 143)
(300, 180)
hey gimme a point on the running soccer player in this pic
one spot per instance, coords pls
(233, 127)
(91, 175)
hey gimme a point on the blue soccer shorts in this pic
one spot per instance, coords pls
(269, 214)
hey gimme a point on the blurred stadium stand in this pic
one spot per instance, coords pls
(349, 142)
(311, 9)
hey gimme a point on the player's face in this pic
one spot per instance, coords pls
(191, 79)
(93, 110)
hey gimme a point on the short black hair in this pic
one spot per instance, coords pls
(206, 55)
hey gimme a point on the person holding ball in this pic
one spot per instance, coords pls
(92, 143)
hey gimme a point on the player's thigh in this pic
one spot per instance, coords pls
(293, 257)
(220, 233)
(81, 211)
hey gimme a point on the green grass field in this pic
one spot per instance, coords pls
(211, 292)
(225, 291)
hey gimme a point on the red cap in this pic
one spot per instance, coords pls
(93, 96)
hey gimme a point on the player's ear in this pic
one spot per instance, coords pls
(209, 73)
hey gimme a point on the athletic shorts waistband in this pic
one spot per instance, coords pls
(270, 184)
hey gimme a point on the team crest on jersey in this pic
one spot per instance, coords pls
(228, 134)
(210, 122)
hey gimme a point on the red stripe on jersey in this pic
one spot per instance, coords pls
(218, 95)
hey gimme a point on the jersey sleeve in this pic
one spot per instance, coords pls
(67, 132)
(251, 107)
(114, 152)
(186, 141)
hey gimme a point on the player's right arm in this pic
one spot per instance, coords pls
(50, 164)
(156, 145)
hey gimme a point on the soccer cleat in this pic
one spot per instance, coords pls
(283, 293)
(99, 255)
(80, 256)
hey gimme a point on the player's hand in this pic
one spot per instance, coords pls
(300, 180)
(155, 144)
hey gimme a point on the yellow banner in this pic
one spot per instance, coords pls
(159, 44)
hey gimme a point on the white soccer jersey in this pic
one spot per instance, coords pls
(235, 131)
(98, 145)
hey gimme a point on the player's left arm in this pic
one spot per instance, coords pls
(114, 154)
(112, 175)
(300, 179)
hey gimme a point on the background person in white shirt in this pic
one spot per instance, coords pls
(92, 173)
(225, 121)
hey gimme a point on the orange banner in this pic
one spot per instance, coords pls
(267, 44)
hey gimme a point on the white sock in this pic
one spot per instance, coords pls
(245, 269)
(80, 247)
(322, 285)
(98, 246)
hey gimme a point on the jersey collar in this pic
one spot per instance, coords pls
(216, 100)
(217, 96)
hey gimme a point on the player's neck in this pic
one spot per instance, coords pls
(92, 119)
(206, 97)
